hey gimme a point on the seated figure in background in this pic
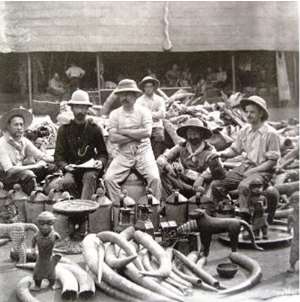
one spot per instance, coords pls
(156, 104)
(56, 86)
(173, 76)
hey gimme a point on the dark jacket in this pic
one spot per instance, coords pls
(76, 144)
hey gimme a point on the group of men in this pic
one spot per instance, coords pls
(136, 128)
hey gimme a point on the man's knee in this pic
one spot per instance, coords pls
(108, 178)
(26, 175)
(90, 176)
(67, 180)
(217, 187)
(243, 189)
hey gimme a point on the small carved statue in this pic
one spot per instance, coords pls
(257, 202)
(45, 240)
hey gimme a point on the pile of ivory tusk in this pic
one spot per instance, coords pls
(75, 282)
(132, 266)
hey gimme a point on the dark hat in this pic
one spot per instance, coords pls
(127, 85)
(24, 113)
(194, 123)
(149, 79)
(258, 101)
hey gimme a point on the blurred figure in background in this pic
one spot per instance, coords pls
(156, 105)
(74, 74)
(56, 86)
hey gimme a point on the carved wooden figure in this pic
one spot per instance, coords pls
(45, 240)
(207, 226)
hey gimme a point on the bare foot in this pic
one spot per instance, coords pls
(291, 270)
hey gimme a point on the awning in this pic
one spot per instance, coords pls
(143, 26)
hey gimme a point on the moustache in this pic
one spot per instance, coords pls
(194, 141)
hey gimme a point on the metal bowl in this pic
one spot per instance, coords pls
(227, 270)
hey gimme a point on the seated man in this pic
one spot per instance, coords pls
(259, 144)
(56, 86)
(199, 160)
(15, 150)
(76, 143)
(130, 127)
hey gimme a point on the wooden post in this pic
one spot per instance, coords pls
(98, 61)
(296, 76)
(233, 73)
(29, 81)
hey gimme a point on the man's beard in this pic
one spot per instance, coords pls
(80, 117)
(195, 141)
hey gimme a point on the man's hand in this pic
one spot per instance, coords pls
(178, 167)
(221, 155)
(197, 186)
(161, 162)
(98, 164)
(170, 170)
(41, 164)
(123, 131)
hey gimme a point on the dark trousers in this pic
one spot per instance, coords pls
(158, 141)
(26, 178)
(81, 183)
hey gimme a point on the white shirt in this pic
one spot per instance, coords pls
(75, 72)
(138, 118)
(156, 105)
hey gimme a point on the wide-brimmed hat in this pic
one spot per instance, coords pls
(80, 97)
(24, 113)
(149, 79)
(258, 101)
(127, 85)
(194, 123)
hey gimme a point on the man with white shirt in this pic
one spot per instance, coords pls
(130, 127)
(74, 74)
(259, 144)
(156, 105)
(15, 150)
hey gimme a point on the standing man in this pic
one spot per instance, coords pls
(156, 105)
(15, 150)
(78, 142)
(74, 74)
(130, 127)
(259, 144)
